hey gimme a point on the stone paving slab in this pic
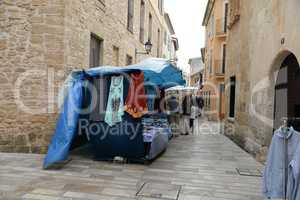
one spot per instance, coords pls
(203, 165)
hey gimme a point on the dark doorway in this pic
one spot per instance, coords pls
(221, 98)
(287, 97)
(232, 97)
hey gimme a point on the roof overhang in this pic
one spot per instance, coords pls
(176, 42)
(208, 11)
(203, 51)
(169, 23)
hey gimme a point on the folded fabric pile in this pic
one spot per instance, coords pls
(153, 126)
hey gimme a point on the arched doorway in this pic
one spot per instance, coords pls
(287, 93)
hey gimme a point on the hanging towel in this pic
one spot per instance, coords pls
(115, 103)
(274, 177)
(151, 92)
(136, 101)
(99, 93)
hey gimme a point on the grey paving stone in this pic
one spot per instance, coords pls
(203, 164)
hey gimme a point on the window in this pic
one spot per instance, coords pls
(116, 56)
(206, 99)
(130, 15)
(232, 97)
(226, 12)
(150, 28)
(212, 26)
(223, 58)
(158, 43)
(222, 88)
(165, 38)
(161, 6)
(96, 50)
(209, 98)
(128, 60)
(142, 21)
(221, 108)
(210, 61)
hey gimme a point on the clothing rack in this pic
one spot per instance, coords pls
(286, 129)
(285, 160)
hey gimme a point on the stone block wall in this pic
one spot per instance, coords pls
(32, 40)
(108, 21)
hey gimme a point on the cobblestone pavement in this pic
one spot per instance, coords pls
(196, 167)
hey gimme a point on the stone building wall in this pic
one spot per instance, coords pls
(213, 61)
(108, 21)
(257, 45)
(40, 42)
(31, 45)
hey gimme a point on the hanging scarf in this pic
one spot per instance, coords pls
(114, 110)
(136, 101)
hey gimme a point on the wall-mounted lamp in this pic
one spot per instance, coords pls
(148, 49)
(282, 41)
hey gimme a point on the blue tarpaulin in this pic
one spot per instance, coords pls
(157, 72)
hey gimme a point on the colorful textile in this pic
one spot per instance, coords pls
(136, 101)
(115, 104)
(154, 125)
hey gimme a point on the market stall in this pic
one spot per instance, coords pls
(179, 104)
(117, 109)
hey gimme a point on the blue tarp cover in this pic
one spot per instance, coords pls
(157, 72)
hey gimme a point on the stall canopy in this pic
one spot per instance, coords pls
(157, 72)
(182, 88)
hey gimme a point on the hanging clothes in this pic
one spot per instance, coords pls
(99, 96)
(151, 93)
(136, 101)
(115, 103)
(274, 174)
(160, 104)
(173, 105)
(186, 105)
(294, 177)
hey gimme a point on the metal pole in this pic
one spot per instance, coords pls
(285, 166)
(285, 160)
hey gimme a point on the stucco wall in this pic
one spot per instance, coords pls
(255, 52)
(214, 42)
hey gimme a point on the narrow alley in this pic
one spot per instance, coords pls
(198, 167)
(149, 99)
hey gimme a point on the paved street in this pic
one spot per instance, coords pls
(201, 167)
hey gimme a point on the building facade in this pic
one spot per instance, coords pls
(196, 72)
(214, 56)
(171, 45)
(42, 41)
(262, 74)
(186, 77)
